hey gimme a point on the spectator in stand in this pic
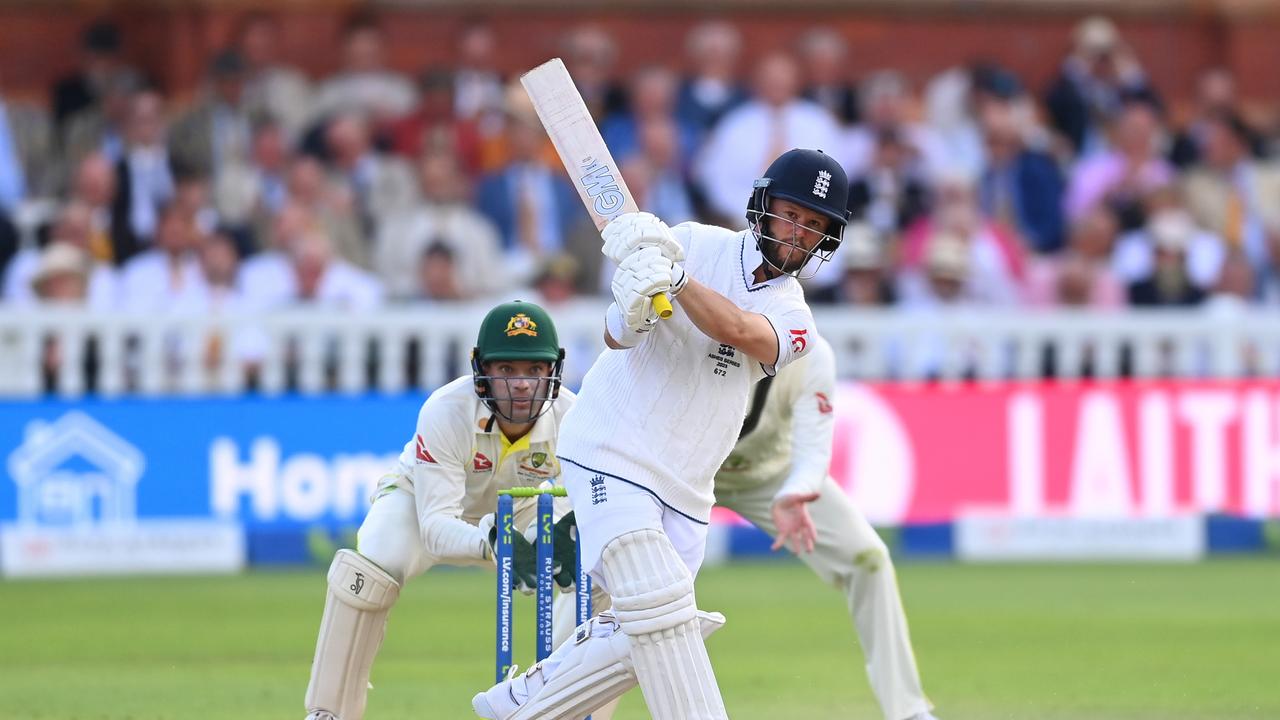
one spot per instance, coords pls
(891, 194)
(659, 185)
(591, 55)
(864, 282)
(100, 128)
(1131, 167)
(220, 260)
(478, 89)
(1134, 259)
(98, 62)
(1081, 275)
(995, 266)
(946, 266)
(435, 127)
(557, 280)
(272, 88)
(1019, 187)
(25, 152)
(60, 278)
(1169, 284)
(446, 219)
(330, 207)
(216, 132)
(193, 195)
(479, 92)
(749, 137)
(532, 205)
(951, 109)
(713, 87)
(1236, 289)
(1216, 97)
(436, 275)
(168, 277)
(824, 58)
(365, 86)
(9, 240)
(73, 229)
(885, 101)
(1231, 193)
(1268, 275)
(94, 187)
(379, 185)
(265, 279)
(651, 98)
(144, 182)
(248, 194)
(323, 279)
(1091, 88)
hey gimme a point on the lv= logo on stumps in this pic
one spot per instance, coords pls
(545, 566)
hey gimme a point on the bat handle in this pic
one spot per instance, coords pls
(662, 305)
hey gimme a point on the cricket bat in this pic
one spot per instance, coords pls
(591, 167)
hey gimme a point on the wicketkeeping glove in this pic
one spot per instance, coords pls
(524, 557)
(566, 552)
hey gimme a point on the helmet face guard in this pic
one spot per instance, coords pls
(814, 181)
(546, 388)
(787, 249)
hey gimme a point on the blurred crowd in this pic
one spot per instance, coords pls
(375, 185)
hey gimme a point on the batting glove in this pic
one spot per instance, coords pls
(639, 276)
(627, 233)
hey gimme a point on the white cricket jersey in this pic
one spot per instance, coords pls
(455, 464)
(786, 439)
(664, 414)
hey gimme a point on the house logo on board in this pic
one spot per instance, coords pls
(75, 471)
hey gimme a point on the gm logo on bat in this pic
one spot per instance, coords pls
(607, 198)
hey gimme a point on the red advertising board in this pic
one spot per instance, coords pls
(925, 453)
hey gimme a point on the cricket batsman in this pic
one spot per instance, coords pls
(494, 429)
(776, 477)
(657, 414)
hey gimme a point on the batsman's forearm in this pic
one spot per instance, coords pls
(724, 322)
(712, 313)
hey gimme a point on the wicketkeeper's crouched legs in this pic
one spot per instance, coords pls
(363, 586)
(355, 619)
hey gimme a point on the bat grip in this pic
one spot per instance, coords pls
(662, 305)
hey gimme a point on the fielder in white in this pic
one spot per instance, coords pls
(656, 416)
(492, 430)
(776, 477)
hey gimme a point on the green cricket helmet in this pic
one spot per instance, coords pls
(517, 331)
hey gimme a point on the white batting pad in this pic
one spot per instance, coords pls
(653, 599)
(579, 679)
(355, 619)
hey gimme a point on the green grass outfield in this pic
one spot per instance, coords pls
(1025, 642)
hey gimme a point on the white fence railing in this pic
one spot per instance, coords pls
(70, 352)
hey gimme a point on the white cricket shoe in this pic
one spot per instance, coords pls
(503, 700)
(322, 715)
(923, 716)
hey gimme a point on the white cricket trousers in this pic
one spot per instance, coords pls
(606, 508)
(850, 555)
